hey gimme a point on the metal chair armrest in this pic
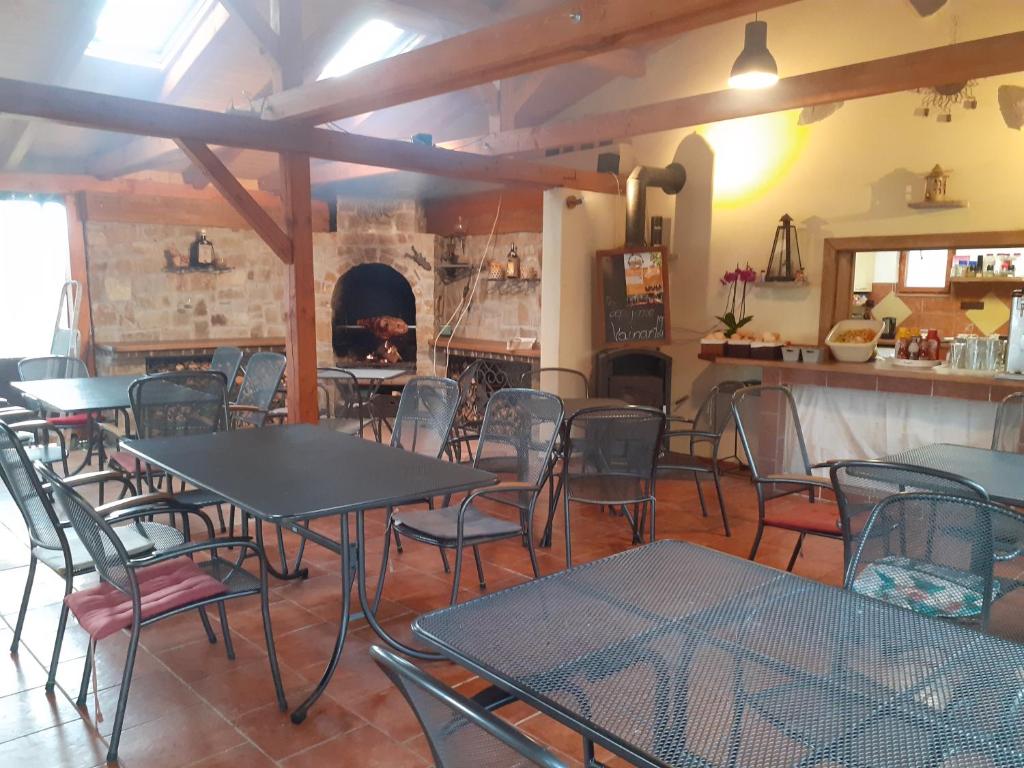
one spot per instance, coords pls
(825, 464)
(820, 482)
(30, 424)
(693, 433)
(15, 411)
(159, 507)
(129, 502)
(190, 549)
(508, 487)
(102, 476)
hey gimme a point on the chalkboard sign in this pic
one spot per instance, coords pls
(631, 307)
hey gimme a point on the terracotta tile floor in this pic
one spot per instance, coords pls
(190, 706)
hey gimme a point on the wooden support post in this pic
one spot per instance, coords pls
(301, 339)
(80, 271)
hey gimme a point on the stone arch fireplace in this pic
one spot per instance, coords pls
(365, 291)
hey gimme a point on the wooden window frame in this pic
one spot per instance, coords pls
(903, 288)
(837, 263)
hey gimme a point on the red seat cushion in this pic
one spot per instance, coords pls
(126, 461)
(811, 518)
(103, 610)
(71, 420)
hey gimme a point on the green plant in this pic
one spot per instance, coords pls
(733, 279)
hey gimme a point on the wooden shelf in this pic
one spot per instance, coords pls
(986, 280)
(137, 347)
(937, 205)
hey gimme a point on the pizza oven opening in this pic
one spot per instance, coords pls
(373, 317)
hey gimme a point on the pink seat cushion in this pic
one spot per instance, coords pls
(103, 610)
(72, 420)
(126, 461)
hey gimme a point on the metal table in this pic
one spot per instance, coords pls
(101, 393)
(676, 655)
(999, 473)
(289, 475)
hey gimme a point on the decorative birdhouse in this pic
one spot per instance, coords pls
(935, 185)
(785, 264)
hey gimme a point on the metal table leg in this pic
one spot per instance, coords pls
(368, 608)
(347, 575)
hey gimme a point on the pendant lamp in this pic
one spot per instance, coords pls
(755, 66)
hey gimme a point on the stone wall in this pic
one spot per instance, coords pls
(499, 310)
(135, 299)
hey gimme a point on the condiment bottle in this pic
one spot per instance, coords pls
(902, 341)
(930, 346)
(914, 348)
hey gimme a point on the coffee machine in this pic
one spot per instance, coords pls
(1015, 345)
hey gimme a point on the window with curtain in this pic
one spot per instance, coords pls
(34, 263)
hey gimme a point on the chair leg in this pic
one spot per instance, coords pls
(700, 494)
(398, 541)
(24, 604)
(83, 688)
(568, 535)
(444, 560)
(220, 518)
(456, 576)
(760, 524)
(721, 499)
(796, 551)
(62, 623)
(652, 504)
(206, 625)
(479, 567)
(122, 698)
(225, 630)
(383, 564)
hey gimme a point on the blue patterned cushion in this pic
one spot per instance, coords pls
(926, 588)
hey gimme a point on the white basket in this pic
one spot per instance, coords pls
(853, 353)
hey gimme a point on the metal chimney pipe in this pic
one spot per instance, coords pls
(669, 179)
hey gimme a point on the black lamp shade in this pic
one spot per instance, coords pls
(755, 67)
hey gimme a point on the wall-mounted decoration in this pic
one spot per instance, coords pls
(1011, 105)
(201, 257)
(785, 264)
(632, 303)
(936, 185)
(941, 99)
(420, 260)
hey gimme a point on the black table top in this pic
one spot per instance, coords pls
(302, 471)
(676, 655)
(76, 395)
(1000, 474)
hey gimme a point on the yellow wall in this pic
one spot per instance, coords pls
(848, 175)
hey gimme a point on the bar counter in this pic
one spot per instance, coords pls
(872, 377)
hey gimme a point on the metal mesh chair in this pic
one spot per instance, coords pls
(263, 375)
(938, 555)
(769, 427)
(518, 432)
(51, 540)
(341, 402)
(473, 396)
(227, 360)
(1008, 433)
(426, 412)
(705, 427)
(609, 459)
(51, 367)
(860, 485)
(565, 382)
(460, 732)
(54, 367)
(117, 569)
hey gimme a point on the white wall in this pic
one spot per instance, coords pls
(571, 239)
(850, 174)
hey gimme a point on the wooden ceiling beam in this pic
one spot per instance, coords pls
(986, 57)
(258, 27)
(238, 196)
(124, 115)
(569, 32)
(624, 62)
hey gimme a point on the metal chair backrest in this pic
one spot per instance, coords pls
(860, 486)
(104, 547)
(25, 488)
(426, 412)
(770, 431)
(179, 403)
(1008, 433)
(473, 394)
(263, 375)
(618, 443)
(460, 732)
(227, 360)
(913, 538)
(518, 434)
(51, 367)
(341, 396)
(564, 382)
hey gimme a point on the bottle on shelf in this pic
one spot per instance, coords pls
(512, 264)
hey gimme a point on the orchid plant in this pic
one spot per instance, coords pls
(733, 280)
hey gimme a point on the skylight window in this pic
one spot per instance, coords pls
(375, 40)
(147, 33)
